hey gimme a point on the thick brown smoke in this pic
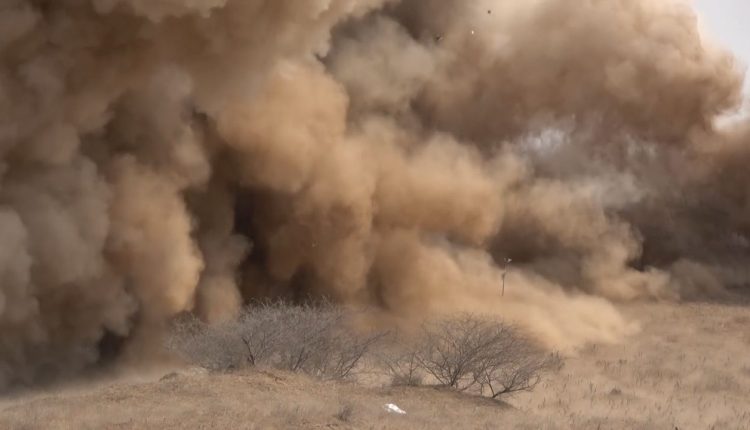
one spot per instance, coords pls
(167, 156)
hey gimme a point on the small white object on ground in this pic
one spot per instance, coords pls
(390, 407)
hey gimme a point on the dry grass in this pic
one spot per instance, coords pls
(687, 369)
(251, 400)
(684, 370)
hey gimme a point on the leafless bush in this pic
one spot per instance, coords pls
(214, 347)
(400, 361)
(519, 367)
(471, 353)
(313, 339)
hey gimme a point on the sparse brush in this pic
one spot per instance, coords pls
(407, 380)
(464, 353)
(314, 339)
(399, 360)
(470, 353)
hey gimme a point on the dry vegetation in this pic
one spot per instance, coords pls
(313, 339)
(465, 353)
(688, 368)
(469, 354)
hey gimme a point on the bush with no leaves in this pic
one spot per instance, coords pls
(399, 360)
(314, 339)
(214, 347)
(468, 352)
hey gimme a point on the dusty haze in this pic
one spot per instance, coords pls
(164, 156)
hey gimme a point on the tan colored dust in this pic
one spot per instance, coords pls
(168, 156)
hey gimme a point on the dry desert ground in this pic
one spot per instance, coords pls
(688, 368)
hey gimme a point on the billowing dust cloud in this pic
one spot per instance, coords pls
(168, 156)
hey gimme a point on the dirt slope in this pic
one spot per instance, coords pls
(252, 401)
(688, 368)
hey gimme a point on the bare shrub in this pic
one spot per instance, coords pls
(314, 339)
(454, 350)
(472, 353)
(214, 347)
(320, 342)
(518, 368)
(399, 360)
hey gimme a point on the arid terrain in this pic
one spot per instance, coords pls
(688, 368)
(501, 190)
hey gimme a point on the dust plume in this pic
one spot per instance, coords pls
(167, 156)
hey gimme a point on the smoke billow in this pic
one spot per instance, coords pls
(168, 156)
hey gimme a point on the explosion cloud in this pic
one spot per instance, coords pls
(168, 156)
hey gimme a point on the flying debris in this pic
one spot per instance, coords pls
(505, 273)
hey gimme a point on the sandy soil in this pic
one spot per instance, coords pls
(689, 368)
